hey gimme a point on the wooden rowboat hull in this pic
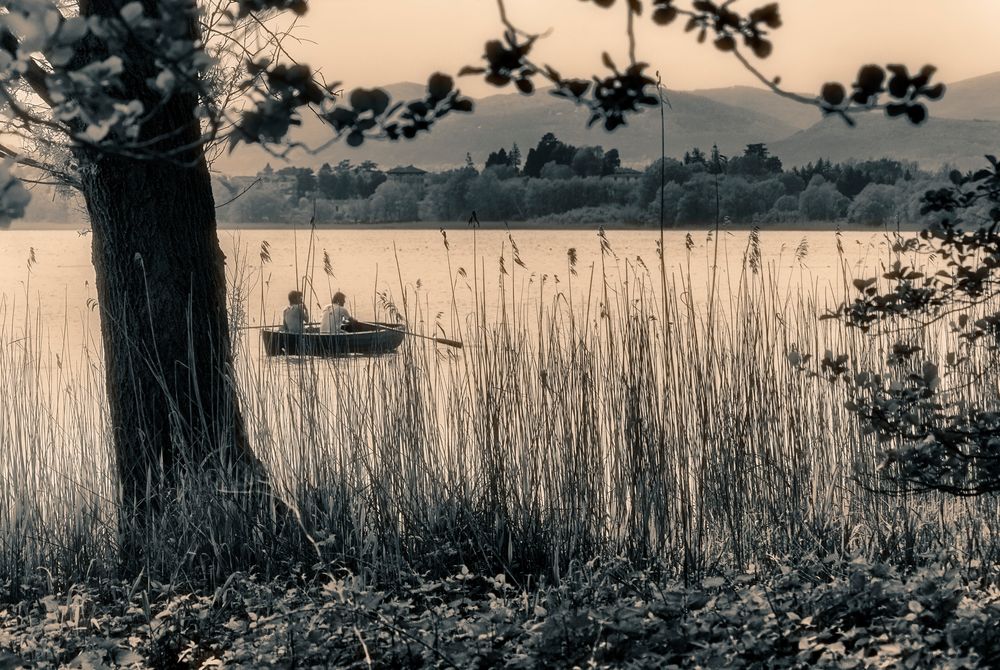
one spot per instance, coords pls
(362, 343)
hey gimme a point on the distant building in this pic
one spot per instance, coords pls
(624, 174)
(408, 175)
(282, 179)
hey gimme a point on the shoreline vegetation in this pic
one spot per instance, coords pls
(607, 474)
(563, 186)
(798, 226)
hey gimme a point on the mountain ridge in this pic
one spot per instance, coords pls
(963, 126)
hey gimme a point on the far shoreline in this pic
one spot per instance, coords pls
(811, 226)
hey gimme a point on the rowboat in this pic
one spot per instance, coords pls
(364, 340)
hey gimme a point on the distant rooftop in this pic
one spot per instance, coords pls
(406, 170)
(625, 172)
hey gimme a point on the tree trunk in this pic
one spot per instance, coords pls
(161, 289)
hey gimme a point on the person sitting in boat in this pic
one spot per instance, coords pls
(295, 315)
(336, 318)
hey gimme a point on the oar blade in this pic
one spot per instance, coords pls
(449, 343)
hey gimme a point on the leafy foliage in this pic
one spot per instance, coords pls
(905, 92)
(13, 196)
(829, 612)
(725, 23)
(370, 113)
(611, 99)
(935, 440)
(506, 61)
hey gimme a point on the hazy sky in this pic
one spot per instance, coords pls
(371, 42)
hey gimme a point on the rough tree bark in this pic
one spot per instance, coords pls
(161, 288)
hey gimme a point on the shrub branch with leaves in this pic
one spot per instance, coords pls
(936, 438)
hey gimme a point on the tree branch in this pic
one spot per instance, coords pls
(630, 30)
(63, 177)
(775, 88)
(36, 77)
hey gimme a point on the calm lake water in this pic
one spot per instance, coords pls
(58, 284)
(54, 398)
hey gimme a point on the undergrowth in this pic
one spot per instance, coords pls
(829, 612)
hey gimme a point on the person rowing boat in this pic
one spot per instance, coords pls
(336, 317)
(296, 316)
(339, 333)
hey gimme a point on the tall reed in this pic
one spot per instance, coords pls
(600, 416)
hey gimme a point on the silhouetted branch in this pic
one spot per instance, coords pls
(62, 176)
(772, 83)
(239, 195)
(34, 75)
(630, 30)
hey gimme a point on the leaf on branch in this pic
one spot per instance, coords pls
(440, 85)
(725, 43)
(608, 63)
(869, 84)
(768, 15)
(664, 13)
(833, 94)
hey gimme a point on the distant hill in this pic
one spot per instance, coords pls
(501, 120)
(939, 141)
(763, 101)
(976, 98)
(731, 117)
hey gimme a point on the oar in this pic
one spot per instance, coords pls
(276, 327)
(439, 340)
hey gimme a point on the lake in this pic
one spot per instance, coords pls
(58, 280)
(611, 427)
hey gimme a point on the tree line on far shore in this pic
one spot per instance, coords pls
(559, 183)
